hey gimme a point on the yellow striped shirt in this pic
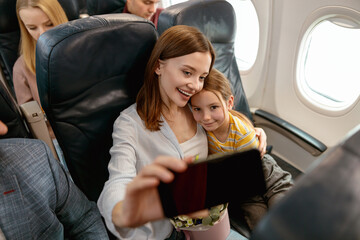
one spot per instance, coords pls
(241, 137)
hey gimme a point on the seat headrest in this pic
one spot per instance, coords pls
(214, 18)
(85, 38)
(95, 7)
(71, 8)
(9, 21)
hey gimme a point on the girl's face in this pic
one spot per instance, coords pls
(182, 77)
(211, 111)
(35, 21)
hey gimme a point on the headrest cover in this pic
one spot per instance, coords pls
(95, 7)
(9, 21)
(215, 18)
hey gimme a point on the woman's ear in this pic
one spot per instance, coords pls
(230, 102)
(158, 67)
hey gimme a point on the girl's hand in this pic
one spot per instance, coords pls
(260, 133)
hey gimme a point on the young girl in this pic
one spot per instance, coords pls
(228, 130)
(35, 17)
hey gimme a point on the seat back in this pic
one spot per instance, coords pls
(9, 41)
(11, 116)
(96, 7)
(217, 20)
(324, 203)
(84, 85)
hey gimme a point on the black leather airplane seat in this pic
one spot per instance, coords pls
(9, 41)
(71, 8)
(82, 6)
(11, 116)
(324, 203)
(96, 7)
(88, 71)
(217, 20)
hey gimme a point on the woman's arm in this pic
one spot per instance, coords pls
(122, 168)
(142, 202)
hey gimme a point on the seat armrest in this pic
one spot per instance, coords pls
(303, 139)
(36, 122)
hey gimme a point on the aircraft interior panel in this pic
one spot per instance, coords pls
(272, 82)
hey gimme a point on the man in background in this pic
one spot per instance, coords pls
(147, 9)
(38, 200)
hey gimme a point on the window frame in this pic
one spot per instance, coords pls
(309, 25)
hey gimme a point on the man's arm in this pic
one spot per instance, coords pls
(80, 217)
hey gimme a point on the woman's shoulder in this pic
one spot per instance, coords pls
(130, 111)
(20, 69)
(19, 64)
(129, 115)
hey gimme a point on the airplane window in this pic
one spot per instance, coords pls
(247, 34)
(329, 70)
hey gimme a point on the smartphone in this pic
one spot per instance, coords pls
(221, 178)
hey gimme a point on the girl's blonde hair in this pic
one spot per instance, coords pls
(56, 14)
(175, 42)
(218, 84)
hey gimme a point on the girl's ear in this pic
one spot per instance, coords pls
(230, 102)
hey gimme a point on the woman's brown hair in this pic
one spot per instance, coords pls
(217, 83)
(56, 15)
(175, 42)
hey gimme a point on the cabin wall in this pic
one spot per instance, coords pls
(271, 83)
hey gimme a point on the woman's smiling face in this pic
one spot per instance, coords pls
(182, 77)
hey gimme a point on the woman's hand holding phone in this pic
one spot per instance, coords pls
(142, 202)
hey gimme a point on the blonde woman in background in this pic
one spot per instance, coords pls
(35, 17)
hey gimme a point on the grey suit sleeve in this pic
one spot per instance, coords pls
(80, 217)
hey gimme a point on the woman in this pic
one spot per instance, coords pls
(35, 17)
(159, 124)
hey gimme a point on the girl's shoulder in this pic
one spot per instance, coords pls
(238, 123)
